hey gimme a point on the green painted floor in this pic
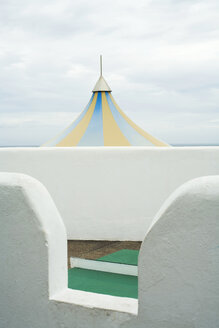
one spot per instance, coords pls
(125, 256)
(106, 282)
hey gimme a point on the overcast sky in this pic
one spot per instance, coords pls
(160, 58)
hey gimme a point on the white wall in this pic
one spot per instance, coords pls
(110, 193)
(178, 264)
(33, 273)
(179, 261)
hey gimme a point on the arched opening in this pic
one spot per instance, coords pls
(104, 267)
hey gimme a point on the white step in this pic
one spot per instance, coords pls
(131, 270)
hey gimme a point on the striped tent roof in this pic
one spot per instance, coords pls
(103, 123)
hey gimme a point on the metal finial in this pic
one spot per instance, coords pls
(101, 84)
(101, 66)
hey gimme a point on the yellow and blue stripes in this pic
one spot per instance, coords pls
(94, 132)
(103, 123)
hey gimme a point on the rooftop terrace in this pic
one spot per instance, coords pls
(103, 201)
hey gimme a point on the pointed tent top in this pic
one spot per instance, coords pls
(101, 84)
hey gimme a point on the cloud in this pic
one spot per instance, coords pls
(159, 57)
(37, 118)
(33, 129)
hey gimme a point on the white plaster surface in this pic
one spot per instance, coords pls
(110, 193)
(178, 265)
(33, 271)
(179, 261)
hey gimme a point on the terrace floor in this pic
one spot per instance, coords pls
(90, 249)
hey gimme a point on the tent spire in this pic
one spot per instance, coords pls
(103, 123)
(101, 66)
(101, 84)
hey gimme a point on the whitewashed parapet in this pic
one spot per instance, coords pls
(179, 261)
(33, 266)
(178, 265)
(110, 193)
